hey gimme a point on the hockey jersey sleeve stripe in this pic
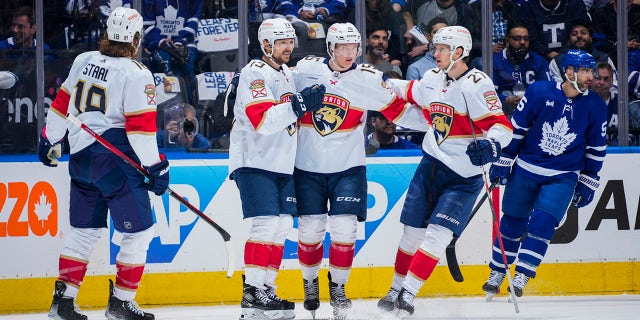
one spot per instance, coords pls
(257, 112)
(409, 93)
(394, 109)
(61, 103)
(143, 122)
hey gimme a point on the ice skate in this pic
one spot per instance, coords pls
(256, 305)
(64, 308)
(311, 296)
(338, 300)
(492, 286)
(288, 307)
(124, 310)
(388, 302)
(519, 281)
(404, 303)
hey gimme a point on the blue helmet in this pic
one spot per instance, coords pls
(578, 59)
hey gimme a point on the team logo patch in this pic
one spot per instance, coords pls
(258, 89)
(441, 120)
(150, 90)
(332, 114)
(492, 100)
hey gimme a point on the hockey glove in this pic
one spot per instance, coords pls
(158, 179)
(501, 170)
(587, 185)
(309, 99)
(483, 151)
(47, 152)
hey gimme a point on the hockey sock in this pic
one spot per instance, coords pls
(310, 257)
(409, 243)
(511, 230)
(256, 261)
(420, 269)
(534, 247)
(275, 259)
(72, 271)
(130, 263)
(340, 261)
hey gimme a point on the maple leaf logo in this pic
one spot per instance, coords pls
(43, 207)
(556, 139)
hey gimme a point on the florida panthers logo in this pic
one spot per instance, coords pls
(441, 120)
(332, 114)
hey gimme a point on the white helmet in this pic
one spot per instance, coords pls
(275, 29)
(123, 24)
(454, 37)
(343, 33)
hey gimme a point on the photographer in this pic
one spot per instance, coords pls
(181, 129)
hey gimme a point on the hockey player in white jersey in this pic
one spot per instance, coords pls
(558, 148)
(465, 128)
(330, 162)
(113, 94)
(261, 160)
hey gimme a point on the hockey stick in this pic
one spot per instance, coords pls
(495, 215)
(225, 235)
(452, 260)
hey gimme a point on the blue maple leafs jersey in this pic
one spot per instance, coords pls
(505, 75)
(555, 135)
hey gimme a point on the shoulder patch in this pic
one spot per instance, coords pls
(150, 90)
(492, 100)
(258, 88)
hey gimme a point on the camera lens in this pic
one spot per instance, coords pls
(188, 126)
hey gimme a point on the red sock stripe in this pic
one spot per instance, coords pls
(310, 254)
(275, 259)
(72, 270)
(129, 275)
(341, 255)
(403, 261)
(422, 265)
(256, 254)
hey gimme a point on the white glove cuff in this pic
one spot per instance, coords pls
(590, 182)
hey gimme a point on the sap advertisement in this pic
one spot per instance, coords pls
(34, 219)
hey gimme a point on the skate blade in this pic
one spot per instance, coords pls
(258, 314)
(403, 314)
(489, 297)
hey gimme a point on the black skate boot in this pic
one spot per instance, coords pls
(256, 305)
(519, 281)
(492, 286)
(405, 303)
(388, 302)
(288, 307)
(124, 310)
(311, 296)
(64, 308)
(338, 300)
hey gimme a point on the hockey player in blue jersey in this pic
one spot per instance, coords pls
(558, 147)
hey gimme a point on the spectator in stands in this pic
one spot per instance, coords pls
(23, 31)
(417, 12)
(170, 30)
(605, 26)
(428, 61)
(384, 134)
(377, 45)
(547, 23)
(181, 129)
(516, 67)
(382, 12)
(501, 17)
(327, 11)
(579, 38)
(601, 85)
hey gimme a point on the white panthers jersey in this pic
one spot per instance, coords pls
(444, 110)
(104, 93)
(332, 139)
(264, 132)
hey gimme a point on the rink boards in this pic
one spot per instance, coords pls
(596, 250)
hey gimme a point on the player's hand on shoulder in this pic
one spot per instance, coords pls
(587, 185)
(309, 99)
(500, 170)
(158, 179)
(48, 152)
(483, 151)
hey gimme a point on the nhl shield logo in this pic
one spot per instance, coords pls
(441, 120)
(332, 114)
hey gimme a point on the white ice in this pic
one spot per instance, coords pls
(534, 307)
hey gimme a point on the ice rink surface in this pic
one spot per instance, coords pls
(535, 307)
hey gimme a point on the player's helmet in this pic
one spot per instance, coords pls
(123, 24)
(343, 33)
(578, 59)
(454, 37)
(275, 29)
